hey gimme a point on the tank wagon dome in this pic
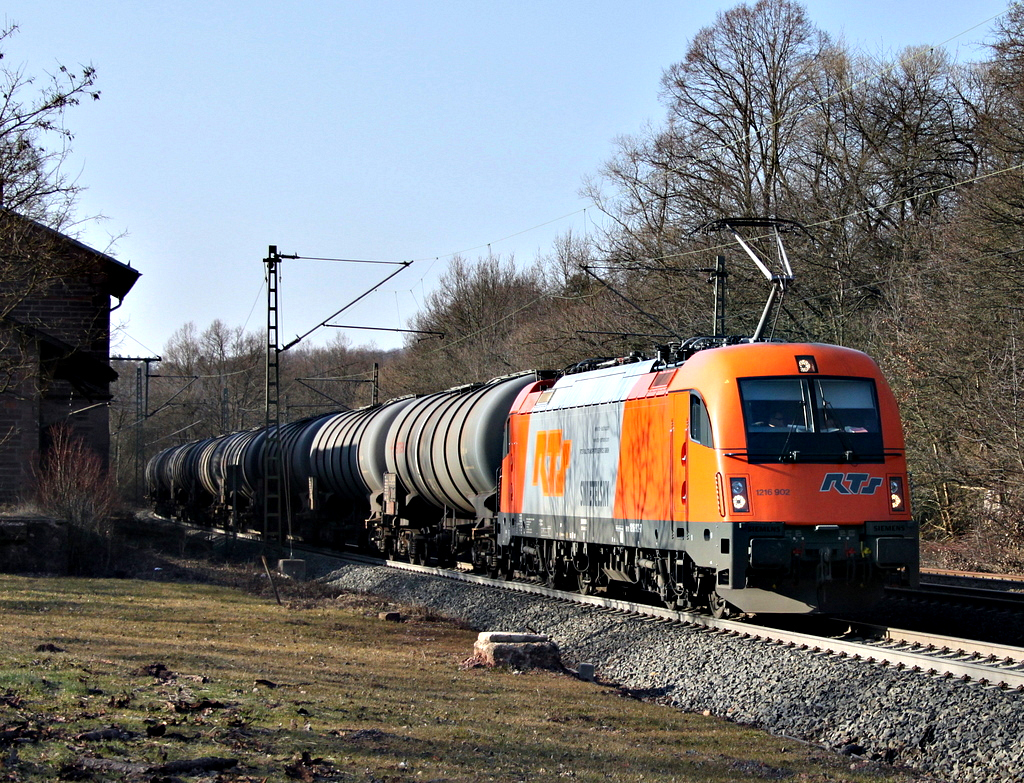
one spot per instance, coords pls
(447, 447)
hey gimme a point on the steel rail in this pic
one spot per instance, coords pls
(986, 664)
(977, 576)
(995, 599)
(942, 656)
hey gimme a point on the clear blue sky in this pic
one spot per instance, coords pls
(369, 129)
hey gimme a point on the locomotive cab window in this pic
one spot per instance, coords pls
(806, 419)
(846, 405)
(700, 422)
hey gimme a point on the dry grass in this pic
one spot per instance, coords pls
(175, 671)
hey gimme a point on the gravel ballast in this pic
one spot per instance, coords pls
(947, 729)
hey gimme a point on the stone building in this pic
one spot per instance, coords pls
(55, 305)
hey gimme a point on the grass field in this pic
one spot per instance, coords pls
(137, 680)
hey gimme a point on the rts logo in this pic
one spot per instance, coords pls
(851, 483)
(550, 461)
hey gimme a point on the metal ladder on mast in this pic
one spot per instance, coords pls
(272, 516)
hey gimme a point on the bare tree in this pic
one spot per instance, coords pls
(742, 108)
(480, 308)
(36, 195)
(740, 97)
(33, 181)
(209, 382)
(958, 335)
(768, 117)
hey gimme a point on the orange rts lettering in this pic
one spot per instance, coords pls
(550, 462)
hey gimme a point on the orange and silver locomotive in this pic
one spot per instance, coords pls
(758, 477)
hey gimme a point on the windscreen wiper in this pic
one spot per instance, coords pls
(849, 455)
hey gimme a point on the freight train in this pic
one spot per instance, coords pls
(727, 474)
(731, 476)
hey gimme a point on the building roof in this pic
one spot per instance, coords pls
(120, 277)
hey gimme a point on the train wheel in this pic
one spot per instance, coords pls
(720, 608)
(483, 558)
(585, 583)
(418, 553)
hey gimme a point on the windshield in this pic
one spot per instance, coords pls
(811, 419)
(846, 405)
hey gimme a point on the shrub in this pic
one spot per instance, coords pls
(73, 486)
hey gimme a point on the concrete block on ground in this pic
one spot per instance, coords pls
(292, 568)
(517, 650)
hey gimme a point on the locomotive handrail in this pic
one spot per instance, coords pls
(857, 458)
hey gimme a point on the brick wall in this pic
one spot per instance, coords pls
(58, 338)
(75, 312)
(19, 428)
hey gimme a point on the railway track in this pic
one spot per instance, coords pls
(964, 593)
(996, 591)
(977, 662)
(984, 664)
(996, 581)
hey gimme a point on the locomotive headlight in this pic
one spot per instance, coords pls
(738, 491)
(897, 503)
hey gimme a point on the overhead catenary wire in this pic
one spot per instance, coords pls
(850, 215)
(630, 302)
(404, 265)
(711, 153)
(350, 260)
